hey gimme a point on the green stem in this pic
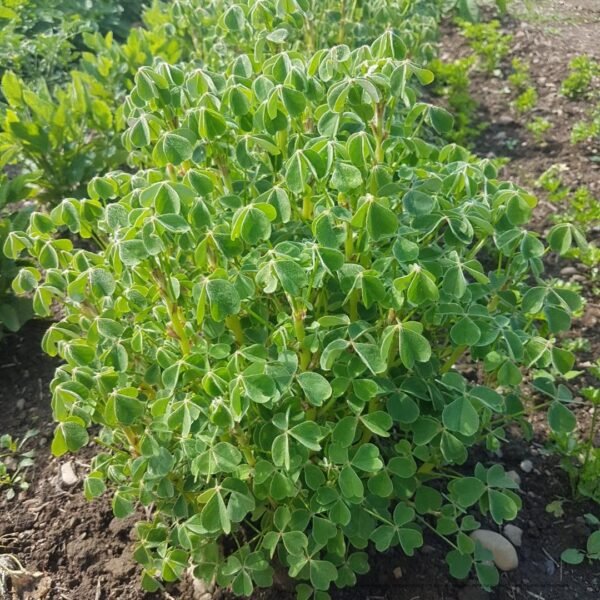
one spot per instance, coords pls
(447, 540)
(179, 329)
(233, 322)
(456, 354)
(307, 208)
(305, 354)
(349, 242)
(590, 443)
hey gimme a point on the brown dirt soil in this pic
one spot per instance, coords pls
(77, 550)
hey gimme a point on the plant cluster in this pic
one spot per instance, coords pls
(582, 71)
(40, 39)
(488, 42)
(574, 556)
(539, 127)
(268, 330)
(527, 96)
(453, 81)
(60, 136)
(14, 462)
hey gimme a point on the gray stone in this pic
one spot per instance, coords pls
(504, 553)
(514, 534)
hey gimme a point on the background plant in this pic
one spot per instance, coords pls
(489, 43)
(14, 462)
(582, 71)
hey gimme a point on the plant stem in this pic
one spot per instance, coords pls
(179, 329)
(456, 354)
(349, 242)
(305, 354)
(307, 208)
(590, 442)
(233, 322)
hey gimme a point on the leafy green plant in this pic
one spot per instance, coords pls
(64, 138)
(40, 40)
(552, 182)
(582, 71)
(539, 127)
(488, 42)
(14, 462)
(519, 77)
(580, 458)
(452, 81)
(14, 311)
(574, 556)
(526, 101)
(268, 331)
(587, 129)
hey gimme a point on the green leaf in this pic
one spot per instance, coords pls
(560, 418)
(308, 434)
(346, 178)
(593, 544)
(460, 564)
(316, 388)
(465, 332)
(345, 431)
(252, 225)
(381, 221)
(371, 357)
(350, 484)
(466, 490)
(378, 422)
(367, 459)
(571, 556)
(441, 120)
(293, 100)
(69, 436)
(460, 416)
(322, 574)
(422, 288)
(413, 346)
(223, 298)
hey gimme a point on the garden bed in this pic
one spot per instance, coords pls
(76, 549)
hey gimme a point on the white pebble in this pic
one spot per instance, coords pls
(526, 466)
(504, 553)
(68, 475)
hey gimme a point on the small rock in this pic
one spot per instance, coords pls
(397, 572)
(514, 534)
(21, 403)
(68, 475)
(514, 476)
(568, 271)
(202, 590)
(526, 466)
(504, 553)
(549, 567)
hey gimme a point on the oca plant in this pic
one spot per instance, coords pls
(268, 330)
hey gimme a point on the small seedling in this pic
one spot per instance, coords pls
(14, 462)
(538, 127)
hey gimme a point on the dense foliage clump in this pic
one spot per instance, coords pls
(268, 330)
(272, 305)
